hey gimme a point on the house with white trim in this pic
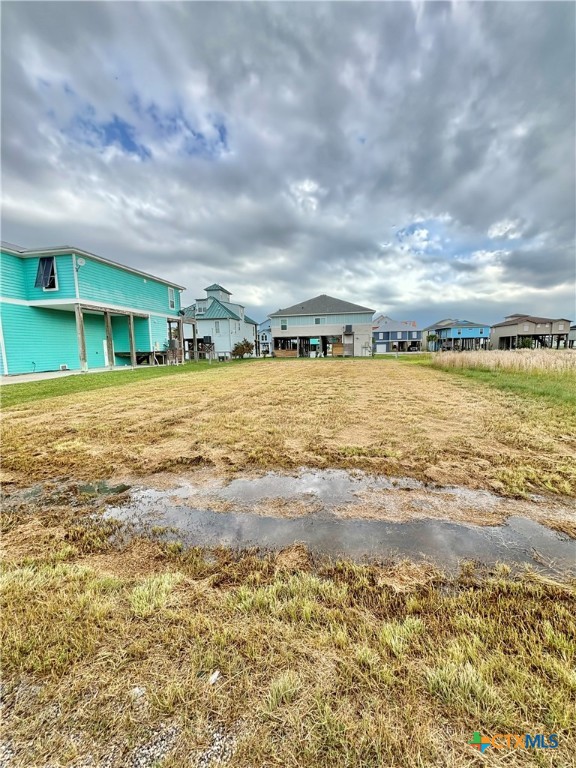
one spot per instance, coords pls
(66, 308)
(220, 323)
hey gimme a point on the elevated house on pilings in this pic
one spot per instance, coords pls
(221, 324)
(527, 331)
(64, 308)
(322, 327)
(456, 335)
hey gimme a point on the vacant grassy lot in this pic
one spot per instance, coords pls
(142, 655)
(171, 657)
(400, 418)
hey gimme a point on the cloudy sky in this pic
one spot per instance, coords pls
(417, 158)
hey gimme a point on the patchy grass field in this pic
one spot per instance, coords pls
(141, 654)
(383, 416)
(149, 656)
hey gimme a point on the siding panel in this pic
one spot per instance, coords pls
(39, 339)
(12, 282)
(113, 285)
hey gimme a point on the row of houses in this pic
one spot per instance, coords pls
(63, 308)
(514, 332)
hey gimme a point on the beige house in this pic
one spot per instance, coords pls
(322, 327)
(518, 331)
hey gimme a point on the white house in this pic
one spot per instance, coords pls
(322, 326)
(221, 323)
(265, 338)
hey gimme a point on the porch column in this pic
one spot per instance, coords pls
(109, 339)
(297, 346)
(181, 335)
(132, 344)
(195, 341)
(81, 337)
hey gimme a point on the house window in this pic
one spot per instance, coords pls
(481, 330)
(414, 334)
(525, 327)
(560, 326)
(171, 298)
(399, 335)
(46, 277)
(283, 324)
(459, 333)
(217, 326)
(319, 321)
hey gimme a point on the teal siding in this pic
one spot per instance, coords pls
(42, 339)
(121, 339)
(12, 281)
(39, 339)
(95, 336)
(358, 319)
(113, 285)
(142, 334)
(159, 332)
(64, 276)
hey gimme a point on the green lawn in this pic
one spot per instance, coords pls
(14, 394)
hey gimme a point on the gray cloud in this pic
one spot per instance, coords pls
(341, 121)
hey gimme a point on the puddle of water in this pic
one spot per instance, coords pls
(519, 542)
(102, 488)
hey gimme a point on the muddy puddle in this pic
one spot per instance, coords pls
(354, 515)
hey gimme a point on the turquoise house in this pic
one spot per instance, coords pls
(64, 308)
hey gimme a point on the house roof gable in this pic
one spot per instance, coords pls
(321, 305)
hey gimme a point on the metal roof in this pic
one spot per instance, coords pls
(321, 305)
(449, 323)
(216, 287)
(217, 311)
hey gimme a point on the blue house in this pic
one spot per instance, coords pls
(66, 309)
(456, 335)
(392, 336)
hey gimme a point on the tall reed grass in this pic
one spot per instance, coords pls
(517, 360)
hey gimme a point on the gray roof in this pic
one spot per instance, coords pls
(449, 323)
(12, 247)
(518, 319)
(396, 325)
(322, 305)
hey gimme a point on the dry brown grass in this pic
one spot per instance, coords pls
(518, 360)
(319, 664)
(380, 416)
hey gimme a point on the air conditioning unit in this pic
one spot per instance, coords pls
(64, 367)
(347, 329)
